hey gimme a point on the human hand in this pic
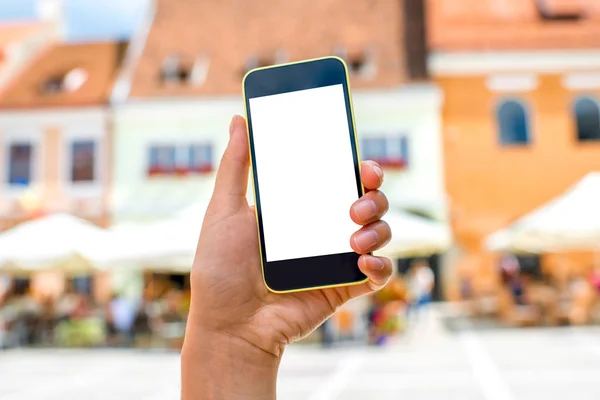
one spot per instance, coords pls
(231, 306)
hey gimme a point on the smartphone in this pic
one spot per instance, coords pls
(305, 172)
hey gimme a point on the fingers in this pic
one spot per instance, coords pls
(371, 175)
(232, 177)
(369, 208)
(379, 270)
(371, 237)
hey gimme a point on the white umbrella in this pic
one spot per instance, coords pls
(569, 222)
(413, 236)
(171, 244)
(167, 245)
(59, 241)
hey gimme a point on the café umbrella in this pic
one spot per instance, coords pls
(55, 242)
(570, 222)
(413, 236)
(167, 245)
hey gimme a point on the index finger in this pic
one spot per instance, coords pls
(371, 175)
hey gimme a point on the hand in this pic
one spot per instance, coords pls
(231, 306)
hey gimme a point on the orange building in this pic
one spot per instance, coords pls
(521, 118)
(55, 134)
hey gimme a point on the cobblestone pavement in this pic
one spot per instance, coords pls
(427, 363)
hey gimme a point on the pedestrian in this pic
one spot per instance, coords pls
(122, 312)
(237, 330)
(421, 281)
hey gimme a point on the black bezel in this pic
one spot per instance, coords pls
(312, 272)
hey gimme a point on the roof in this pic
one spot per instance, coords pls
(223, 37)
(66, 75)
(15, 33)
(467, 25)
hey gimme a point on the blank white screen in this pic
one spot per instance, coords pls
(305, 172)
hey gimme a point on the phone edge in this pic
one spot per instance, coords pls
(362, 188)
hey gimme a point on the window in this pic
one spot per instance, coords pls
(391, 152)
(175, 70)
(361, 63)
(180, 159)
(560, 10)
(83, 161)
(587, 116)
(20, 164)
(162, 160)
(201, 158)
(513, 125)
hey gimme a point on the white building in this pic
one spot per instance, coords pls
(176, 97)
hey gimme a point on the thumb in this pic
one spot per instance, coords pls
(232, 177)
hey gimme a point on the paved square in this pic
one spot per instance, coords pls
(429, 363)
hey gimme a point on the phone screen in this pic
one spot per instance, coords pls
(305, 172)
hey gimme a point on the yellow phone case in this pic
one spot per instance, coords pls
(252, 170)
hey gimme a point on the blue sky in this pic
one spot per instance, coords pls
(85, 19)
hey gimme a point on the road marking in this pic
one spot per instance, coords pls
(345, 371)
(486, 372)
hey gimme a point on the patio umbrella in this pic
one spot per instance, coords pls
(168, 245)
(415, 236)
(56, 242)
(569, 222)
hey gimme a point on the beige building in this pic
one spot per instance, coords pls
(55, 133)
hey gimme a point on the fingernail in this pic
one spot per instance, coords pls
(366, 239)
(232, 124)
(365, 209)
(376, 264)
(379, 172)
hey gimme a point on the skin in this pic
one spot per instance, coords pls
(237, 330)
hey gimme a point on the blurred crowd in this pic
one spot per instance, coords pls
(76, 319)
(526, 297)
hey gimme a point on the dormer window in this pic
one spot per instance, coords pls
(53, 85)
(200, 70)
(359, 63)
(253, 62)
(560, 10)
(173, 70)
(75, 79)
(69, 82)
(281, 57)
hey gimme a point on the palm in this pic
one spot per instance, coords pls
(229, 282)
(228, 293)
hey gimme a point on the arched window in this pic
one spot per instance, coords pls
(512, 123)
(587, 116)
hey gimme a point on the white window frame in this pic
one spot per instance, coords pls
(29, 136)
(82, 189)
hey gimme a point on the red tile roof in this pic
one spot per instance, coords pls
(66, 75)
(227, 33)
(462, 25)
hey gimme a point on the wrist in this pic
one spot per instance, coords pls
(220, 365)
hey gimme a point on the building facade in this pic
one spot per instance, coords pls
(176, 96)
(521, 119)
(55, 134)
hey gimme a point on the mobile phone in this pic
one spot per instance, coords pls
(305, 172)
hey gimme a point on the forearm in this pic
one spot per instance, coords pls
(216, 366)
